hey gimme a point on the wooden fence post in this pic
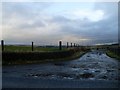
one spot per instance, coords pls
(60, 45)
(32, 46)
(67, 44)
(71, 44)
(74, 44)
(2, 45)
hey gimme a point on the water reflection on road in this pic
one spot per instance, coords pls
(95, 65)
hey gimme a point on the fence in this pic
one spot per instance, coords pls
(11, 57)
(32, 45)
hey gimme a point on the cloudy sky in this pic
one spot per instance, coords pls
(48, 22)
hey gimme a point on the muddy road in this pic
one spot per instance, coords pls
(93, 70)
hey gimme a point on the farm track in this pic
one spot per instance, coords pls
(93, 70)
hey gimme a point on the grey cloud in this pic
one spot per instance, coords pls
(103, 31)
(34, 25)
(24, 8)
(110, 8)
(60, 19)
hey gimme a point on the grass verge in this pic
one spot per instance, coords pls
(71, 57)
(113, 55)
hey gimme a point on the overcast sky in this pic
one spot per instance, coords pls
(48, 22)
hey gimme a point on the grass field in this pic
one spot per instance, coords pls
(17, 48)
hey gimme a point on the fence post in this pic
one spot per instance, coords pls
(77, 45)
(2, 45)
(67, 44)
(32, 46)
(60, 45)
(74, 44)
(71, 44)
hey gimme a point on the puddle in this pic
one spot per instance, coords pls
(39, 75)
(59, 64)
(86, 75)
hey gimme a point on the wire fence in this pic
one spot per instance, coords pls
(34, 47)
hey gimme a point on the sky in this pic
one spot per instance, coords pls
(46, 23)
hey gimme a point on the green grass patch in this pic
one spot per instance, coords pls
(113, 55)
